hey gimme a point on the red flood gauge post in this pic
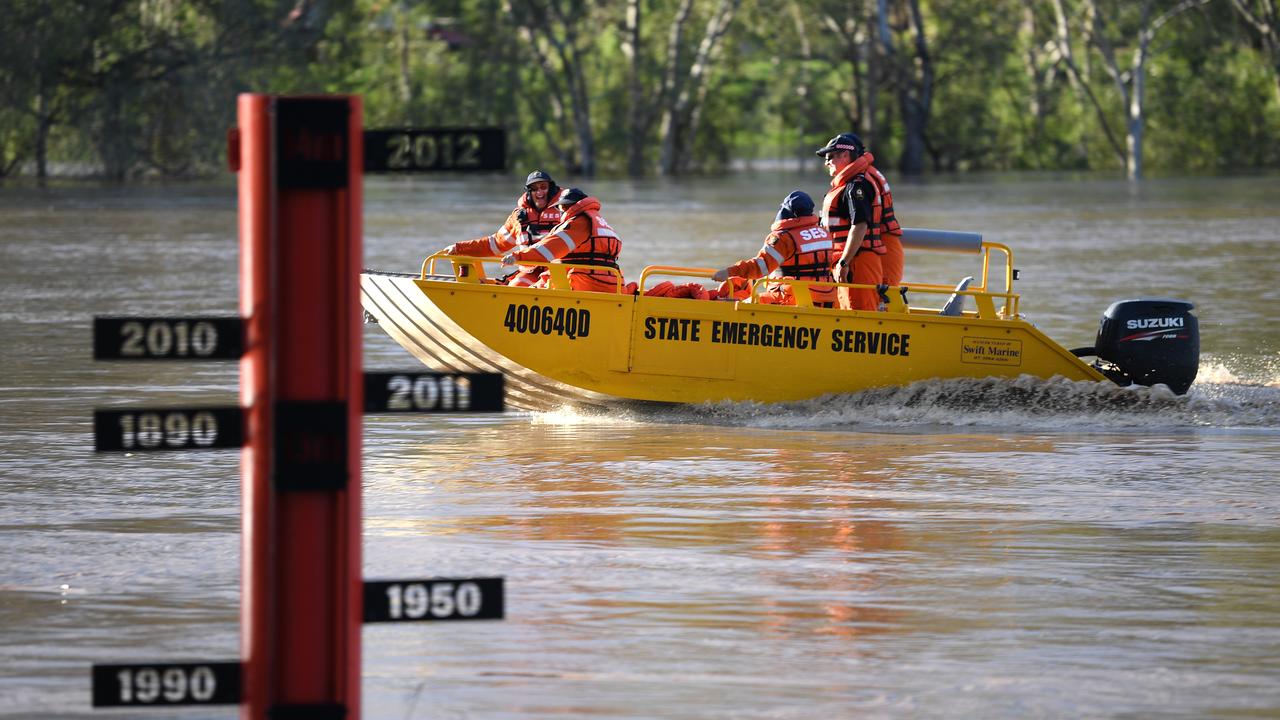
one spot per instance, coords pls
(300, 161)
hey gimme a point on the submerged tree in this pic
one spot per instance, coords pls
(1263, 19)
(685, 91)
(1112, 30)
(143, 87)
(556, 33)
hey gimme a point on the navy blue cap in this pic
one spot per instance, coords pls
(797, 204)
(538, 176)
(843, 141)
(570, 196)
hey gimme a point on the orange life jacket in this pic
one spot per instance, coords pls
(602, 244)
(883, 219)
(811, 244)
(811, 253)
(540, 221)
(837, 216)
(581, 238)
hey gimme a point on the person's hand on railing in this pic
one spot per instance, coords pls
(720, 275)
(508, 260)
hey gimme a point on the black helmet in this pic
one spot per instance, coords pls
(539, 176)
(843, 141)
(570, 196)
(797, 204)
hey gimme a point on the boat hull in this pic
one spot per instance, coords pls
(560, 347)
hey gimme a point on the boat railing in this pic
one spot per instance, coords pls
(672, 271)
(461, 266)
(988, 303)
(470, 269)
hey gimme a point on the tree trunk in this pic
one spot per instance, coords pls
(859, 100)
(1132, 85)
(1039, 62)
(867, 122)
(1136, 118)
(44, 123)
(581, 108)
(700, 75)
(1265, 21)
(1079, 81)
(672, 89)
(889, 66)
(404, 84)
(804, 156)
(632, 49)
(546, 22)
(914, 84)
(112, 143)
(916, 98)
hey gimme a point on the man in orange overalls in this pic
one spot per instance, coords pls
(583, 237)
(533, 217)
(858, 211)
(798, 247)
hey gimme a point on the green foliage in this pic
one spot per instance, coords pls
(1213, 108)
(148, 87)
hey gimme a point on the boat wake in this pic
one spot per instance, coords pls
(1026, 403)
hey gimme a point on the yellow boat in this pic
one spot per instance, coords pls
(560, 347)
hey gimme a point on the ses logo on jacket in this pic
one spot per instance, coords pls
(815, 233)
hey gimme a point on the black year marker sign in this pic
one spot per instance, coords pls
(147, 429)
(156, 684)
(168, 338)
(435, 599)
(417, 150)
(433, 392)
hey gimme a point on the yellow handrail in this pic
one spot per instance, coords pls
(673, 270)
(559, 271)
(458, 261)
(471, 269)
(560, 274)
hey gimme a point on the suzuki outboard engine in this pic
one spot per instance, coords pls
(1148, 341)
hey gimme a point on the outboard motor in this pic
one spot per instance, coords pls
(1148, 341)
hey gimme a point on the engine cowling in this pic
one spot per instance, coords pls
(1149, 341)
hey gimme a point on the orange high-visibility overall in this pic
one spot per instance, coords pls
(581, 238)
(887, 228)
(801, 248)
(512, 234)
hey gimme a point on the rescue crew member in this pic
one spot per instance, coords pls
(583, 237)
(796, 247)
(533, 217)
(858, 210)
